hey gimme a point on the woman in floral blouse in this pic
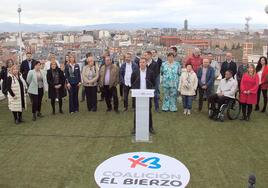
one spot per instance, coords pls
(170, 71)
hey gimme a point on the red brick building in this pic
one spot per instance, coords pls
(174, 40)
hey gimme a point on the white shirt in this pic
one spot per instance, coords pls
(260, 75)
(128, 74)
(217, 67)
(228, 87)
(143, 79)
(47, 65)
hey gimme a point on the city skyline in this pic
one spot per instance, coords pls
(157, 11)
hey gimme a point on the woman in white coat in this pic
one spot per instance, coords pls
(187, 88)
(16, 87)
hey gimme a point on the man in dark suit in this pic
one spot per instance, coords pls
(229, 64)
(157, 79)
(154, 67)
(143, 78)
(27, 65)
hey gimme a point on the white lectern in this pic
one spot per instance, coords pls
(142, 113)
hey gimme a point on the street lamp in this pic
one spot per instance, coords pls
(20, 34)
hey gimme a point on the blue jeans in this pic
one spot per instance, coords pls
(157, 90)
(73, 98)
(187, 102)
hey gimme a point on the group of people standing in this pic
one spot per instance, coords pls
(196, 77)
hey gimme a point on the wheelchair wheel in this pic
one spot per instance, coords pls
(221, 117)
(210, 113)
(233, 109)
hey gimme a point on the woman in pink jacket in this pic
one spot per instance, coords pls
(248, 91)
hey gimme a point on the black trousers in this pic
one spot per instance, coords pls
(121, 90)
(91, 96)
(37, 101)
(150, 116)
(220, 100)
(17, 115)
(201, 96)
(126, 90)
(73, 98)
(109, 93)
(53, 101)
(246, 109)
(264, 94)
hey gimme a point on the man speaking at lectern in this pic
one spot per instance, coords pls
(143, 78)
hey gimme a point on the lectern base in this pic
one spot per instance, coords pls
(141, 141)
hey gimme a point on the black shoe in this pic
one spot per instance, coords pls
(109, 110)
(152, 131)
(61, 112)
(263, 110)
(257, 108)
(34, 117)
(53, 112)
(39, 115)
(17, 122)
(21, 120)
(116, 111)
(125, 109)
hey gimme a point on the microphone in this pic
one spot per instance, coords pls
(251, 181)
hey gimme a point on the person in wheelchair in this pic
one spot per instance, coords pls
(225, 93)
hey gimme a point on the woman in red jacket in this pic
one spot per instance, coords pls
(264, 86)
(262, 71)
(248, 91)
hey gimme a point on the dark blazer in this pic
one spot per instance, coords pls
(159, 63)
(210, 77)
(241, 70)
(76, 78)
(135, 79)
(24, 68)
(226, 66)
(51, 84)
(3, 76)
(154, 68)
(122, 72)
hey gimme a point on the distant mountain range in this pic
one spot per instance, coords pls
(14, 27)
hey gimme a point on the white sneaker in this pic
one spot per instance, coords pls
(188, 112)
(185, 111)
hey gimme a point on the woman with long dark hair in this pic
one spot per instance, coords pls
(262, 71)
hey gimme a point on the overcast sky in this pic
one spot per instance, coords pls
(89, 12)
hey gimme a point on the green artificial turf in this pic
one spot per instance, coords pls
(62, 151)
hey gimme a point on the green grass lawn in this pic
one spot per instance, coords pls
(63, 151)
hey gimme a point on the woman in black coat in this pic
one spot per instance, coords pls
(56, 83)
